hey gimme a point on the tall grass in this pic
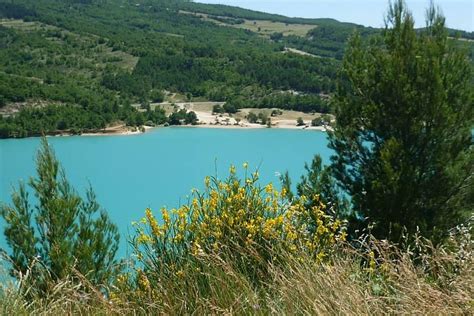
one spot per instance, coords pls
(353, 281)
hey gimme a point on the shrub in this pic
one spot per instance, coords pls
(63, 234)
(217, 109)
(237, 220)
(191, 118)
(317, 122)
(252, 117)
(230, 108)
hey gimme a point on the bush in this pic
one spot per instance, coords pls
(300, 122)
(230, 108)
(238, 220)
(217, 109)
(191, 118)
(262, 118)
(62, 236)
(252, 118)
(317, 122)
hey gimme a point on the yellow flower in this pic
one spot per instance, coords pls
(245, 165)
(207, 181)
(144, 282)
(321, 256)
(269, 188)
(372, 263)
(144, 239)
(153, 223)
(166, 216)
(342, 236)
(232, 169)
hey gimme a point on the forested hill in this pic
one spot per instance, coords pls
(80, 65)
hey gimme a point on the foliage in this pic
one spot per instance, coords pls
(403, 139)
(61, 234)
(229, 108)
(252, 117)
(235, 219)
(97, 54)
(323, 120)
(319, 181)
(263, 118)
(183, 117)
(300, 122)
(217, 109)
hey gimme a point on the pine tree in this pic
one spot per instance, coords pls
(403, 141)
(319, 186)
(61, 233)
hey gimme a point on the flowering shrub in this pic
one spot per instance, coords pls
(235, 219)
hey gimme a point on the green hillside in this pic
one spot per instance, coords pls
(79, 65)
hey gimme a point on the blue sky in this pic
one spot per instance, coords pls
(459, 13)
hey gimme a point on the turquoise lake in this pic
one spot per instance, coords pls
(159, 168)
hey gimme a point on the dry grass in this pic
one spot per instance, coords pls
(262, 27)
(286, 115)
(344, 285)
(25, 26)
(267, 28)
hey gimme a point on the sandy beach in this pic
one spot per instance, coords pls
(206, 119)
(286, 119)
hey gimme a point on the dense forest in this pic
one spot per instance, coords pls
(90, 60)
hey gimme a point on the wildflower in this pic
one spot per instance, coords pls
(153, 223)
(165, 215)
(342, 236)
(195, 203)
(230, 211)
(144, 239)
(372, 263)
(269, 188)
(143, 281)
(245, 165)
(320, 256)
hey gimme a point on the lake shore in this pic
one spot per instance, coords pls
(259, 126)
(210, 126)
(207, 119)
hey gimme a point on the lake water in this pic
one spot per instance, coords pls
(159, 168)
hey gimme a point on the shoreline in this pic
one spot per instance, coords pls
(208, 126)
(258, 126)
(122, 130)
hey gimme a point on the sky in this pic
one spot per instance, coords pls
(459, 13)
